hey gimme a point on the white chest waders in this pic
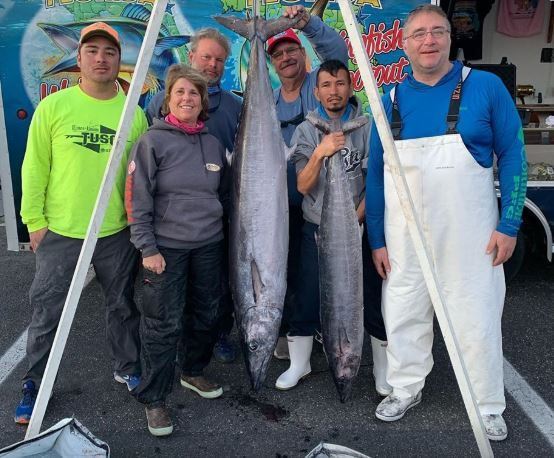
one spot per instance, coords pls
(456, 202)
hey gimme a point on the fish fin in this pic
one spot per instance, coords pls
(289, 151)
(138, 12)
(354, 124)
(66, 39)
(142, 14)
(229, 157)
(318, 123)
(344, 341)
(257, 283)
(165, 43)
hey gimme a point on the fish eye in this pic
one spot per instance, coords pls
(253, 346)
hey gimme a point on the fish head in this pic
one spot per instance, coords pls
(344, 357)
(260, 332)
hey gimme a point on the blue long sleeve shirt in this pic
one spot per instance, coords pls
(488, 124)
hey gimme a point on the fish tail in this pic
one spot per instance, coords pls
(244, 27)
(318, 8)
(249, 28)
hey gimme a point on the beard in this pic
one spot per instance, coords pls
(335, 108)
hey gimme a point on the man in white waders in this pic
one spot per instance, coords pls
(448, 122)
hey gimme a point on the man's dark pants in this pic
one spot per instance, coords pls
(192, 279)
(115, 262)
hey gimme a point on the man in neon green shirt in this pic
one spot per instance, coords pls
(68, 147)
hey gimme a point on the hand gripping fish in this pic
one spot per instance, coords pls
(340, 268)
(259, 207)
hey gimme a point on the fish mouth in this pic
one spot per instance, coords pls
(344, 388)
(257, 367)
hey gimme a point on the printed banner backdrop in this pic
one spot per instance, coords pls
(39, 39)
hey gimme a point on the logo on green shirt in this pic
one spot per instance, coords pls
(96, 138)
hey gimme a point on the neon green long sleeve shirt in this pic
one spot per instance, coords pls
(68, 147)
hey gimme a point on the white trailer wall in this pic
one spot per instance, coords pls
(525, 53)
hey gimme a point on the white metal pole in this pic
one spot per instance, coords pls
(414, 227)
(6, 180)
(89, 243)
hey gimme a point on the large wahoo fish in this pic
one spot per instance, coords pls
(340, 268)
(259, 212)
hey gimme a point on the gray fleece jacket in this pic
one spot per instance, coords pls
(354, 155)
(176, 188)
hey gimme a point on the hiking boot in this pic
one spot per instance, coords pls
(132, 381)
(393, 408)
(202, 386)
(159, 422)
(282, 349)
(495, 426)
(224, 351)
(24, 410)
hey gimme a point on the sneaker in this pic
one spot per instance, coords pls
(25, 408)
(224, 351)
(393, 408)
(159, 422)
(282, 349)
(495, 426)
(132, 381)
(202, 386)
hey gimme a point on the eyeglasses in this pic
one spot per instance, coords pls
(437, 32)
(290, 52)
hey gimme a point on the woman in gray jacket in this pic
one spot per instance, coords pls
(174, 198)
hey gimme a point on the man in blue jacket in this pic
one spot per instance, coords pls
(448, 121)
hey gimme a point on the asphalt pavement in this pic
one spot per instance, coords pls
(272, 423)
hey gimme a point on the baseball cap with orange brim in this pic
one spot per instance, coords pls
(100, 29)
(287, 35)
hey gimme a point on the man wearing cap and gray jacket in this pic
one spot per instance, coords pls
(68, 147)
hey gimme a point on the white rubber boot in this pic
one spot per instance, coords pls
(379, 350)
(300, 350)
